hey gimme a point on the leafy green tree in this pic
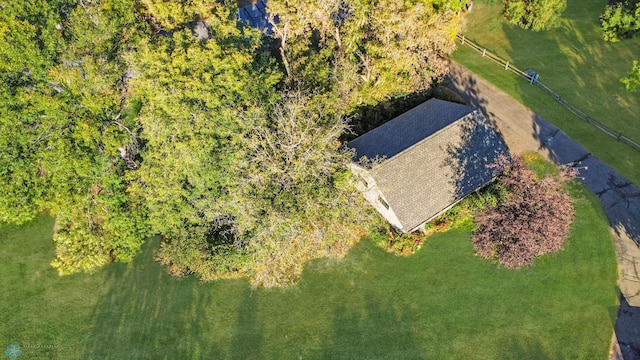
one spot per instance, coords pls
(620, 21)
(535, 15)
(453, 5)
(403, 49)
(169, 15)
(365, 51)
(296, 198)
(191, 93)
(97, 222)
(307, 39)
(62, 127)
(30, 44)
(632, 80)
(239, 188)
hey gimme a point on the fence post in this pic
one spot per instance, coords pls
(462, 39)
(506, 67)
(484, 51)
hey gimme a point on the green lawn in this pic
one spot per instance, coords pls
(441, 302)
(574, 61)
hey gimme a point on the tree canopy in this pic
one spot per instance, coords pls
(535, 15)
(365, 51)
(621, 20)
(131, 118)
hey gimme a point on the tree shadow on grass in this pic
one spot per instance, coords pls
(147, 314)
(247, 341)
(517, 348)
(375, 330)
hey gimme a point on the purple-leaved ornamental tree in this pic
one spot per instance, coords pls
(533, 219)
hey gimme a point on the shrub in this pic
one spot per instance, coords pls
(632, 80)
(532, 219)
(462, 214)
(404, 244)
(620, 21)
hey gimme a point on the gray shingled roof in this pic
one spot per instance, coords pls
(397, 135)
(425, 175)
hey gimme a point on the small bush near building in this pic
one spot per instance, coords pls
(532, 219)
(404, 243)
(461, 216)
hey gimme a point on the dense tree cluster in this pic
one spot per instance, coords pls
(532, 219)
(534, 14)
(365, 51)
(621, 20)
(131, 118)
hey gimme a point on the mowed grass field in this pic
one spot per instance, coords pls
(440, 303)
(575, 62)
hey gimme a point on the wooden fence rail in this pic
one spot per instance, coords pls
(569, 106)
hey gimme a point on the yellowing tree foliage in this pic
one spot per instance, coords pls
(365, 51)
(126, 119)
(535, 15)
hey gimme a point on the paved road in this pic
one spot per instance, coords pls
(523, 131)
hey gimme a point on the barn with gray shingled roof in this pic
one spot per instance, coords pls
(425, 161)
